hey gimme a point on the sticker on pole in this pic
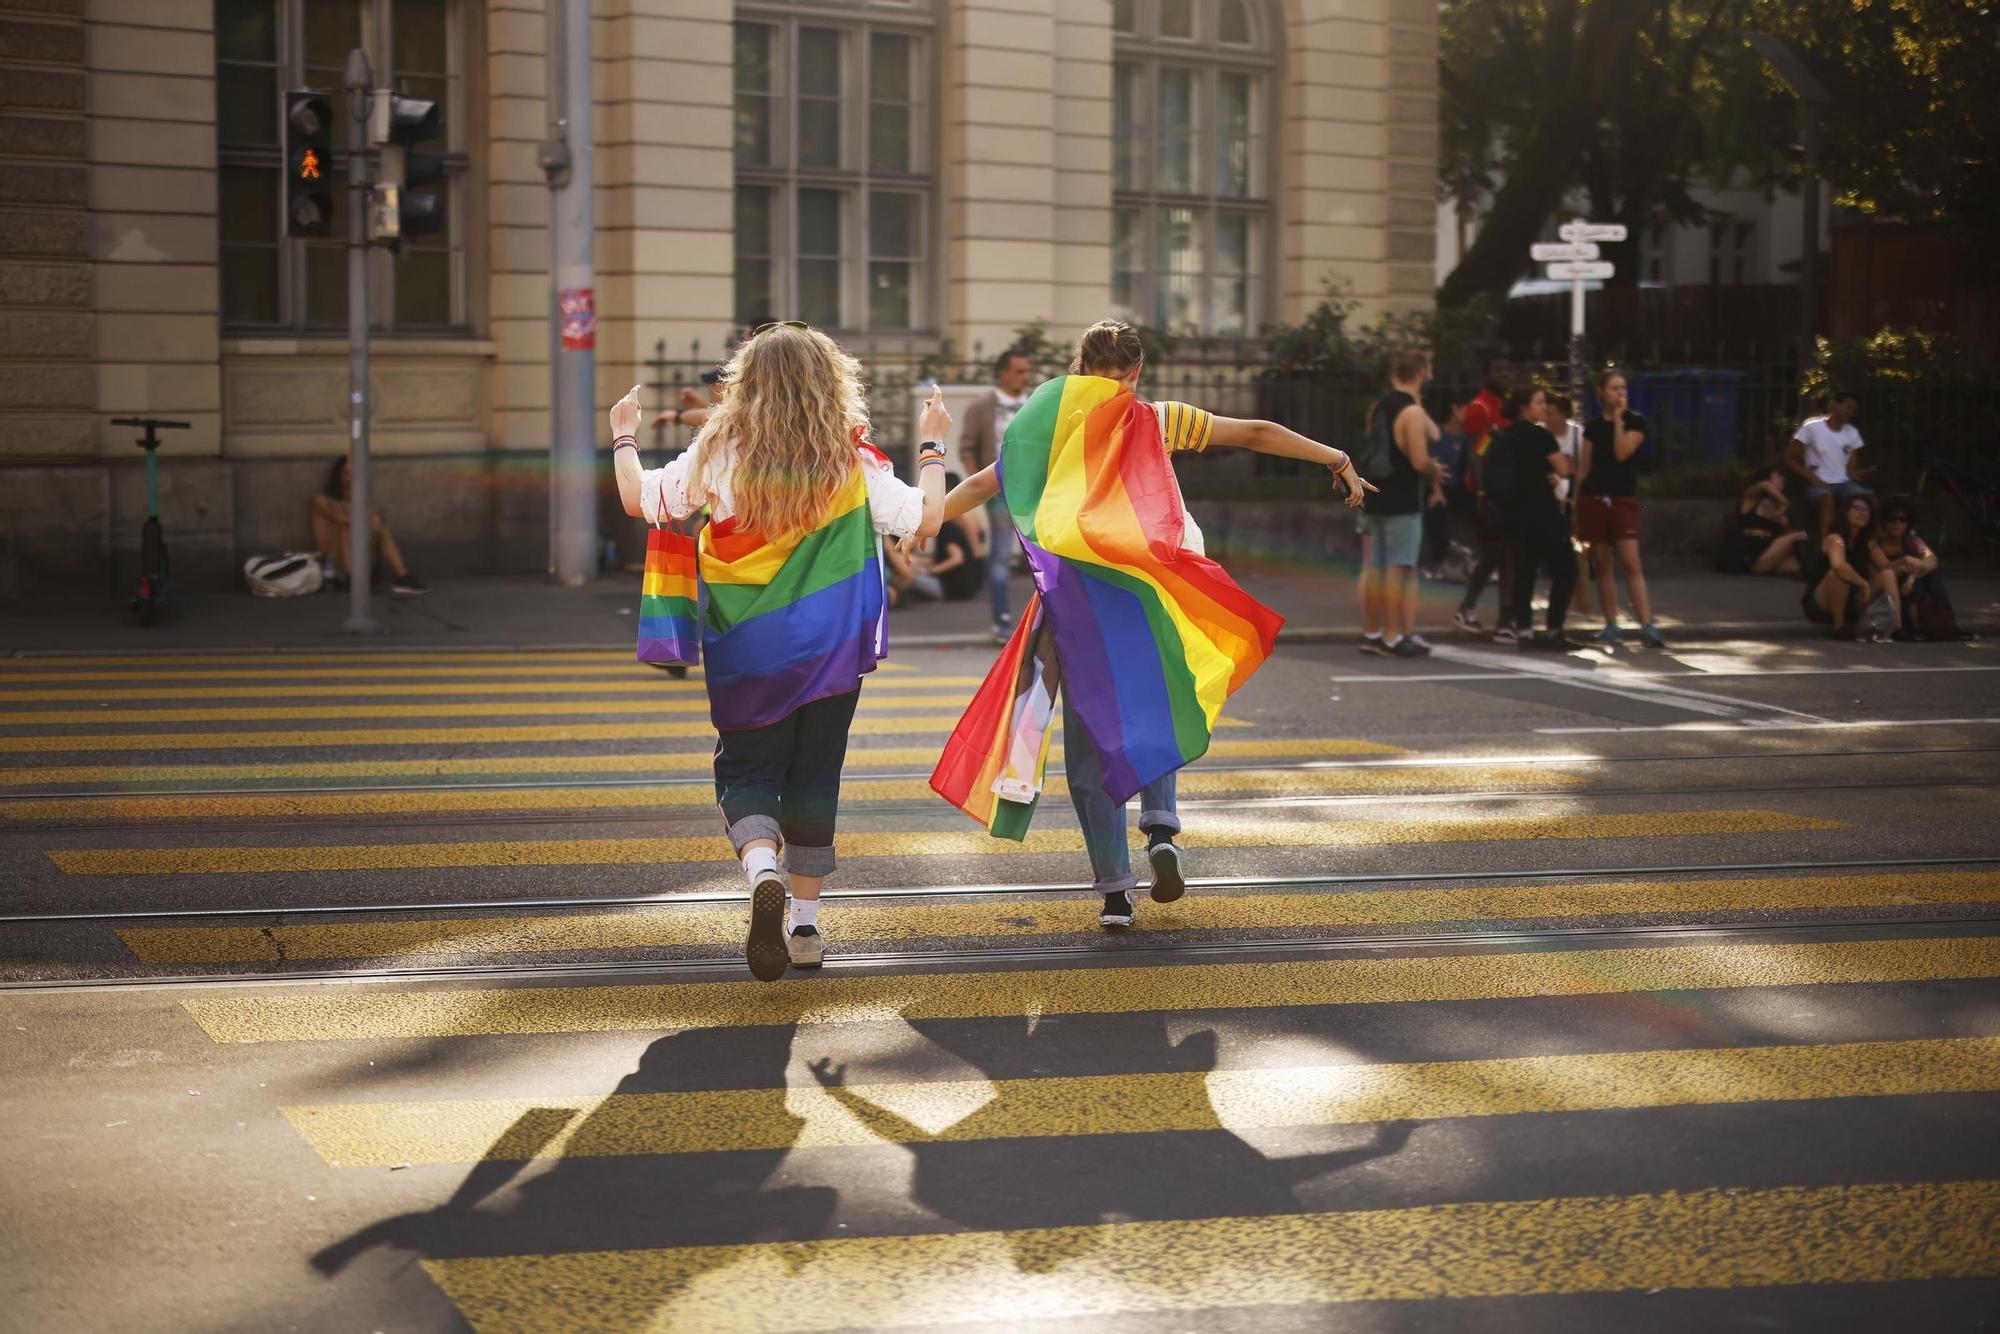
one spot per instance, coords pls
(579, 319)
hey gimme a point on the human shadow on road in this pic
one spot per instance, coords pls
(622, 1200)
(972, 1173)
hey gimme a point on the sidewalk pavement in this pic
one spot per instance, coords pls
(500, 612)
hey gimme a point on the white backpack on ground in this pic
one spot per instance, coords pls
(288, 576)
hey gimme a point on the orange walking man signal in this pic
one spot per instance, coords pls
(309, 166)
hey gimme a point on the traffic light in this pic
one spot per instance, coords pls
(395, 123)
(308, 164)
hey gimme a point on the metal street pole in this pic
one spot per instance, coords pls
(357, 78)
(1576, 345)
(1788, 65)
(569, 159)
(1809, 226)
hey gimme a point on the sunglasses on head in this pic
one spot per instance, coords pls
(800, 325)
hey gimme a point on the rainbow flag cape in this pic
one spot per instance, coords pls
(667, 599)
(1146, 640)
(791, 621)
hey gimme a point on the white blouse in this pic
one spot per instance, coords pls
(896, 507)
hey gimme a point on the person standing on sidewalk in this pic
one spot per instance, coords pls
(1401, 434)
(986, 419)
(1484, 420)
(1607, 509)
(794, 611)
(1537, 529)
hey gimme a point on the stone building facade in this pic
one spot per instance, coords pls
(908, 172)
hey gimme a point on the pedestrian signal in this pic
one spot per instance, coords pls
(396, 210)
(308, 155)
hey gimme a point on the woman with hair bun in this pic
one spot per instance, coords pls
(1140, 635)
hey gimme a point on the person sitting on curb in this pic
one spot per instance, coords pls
(332, 525)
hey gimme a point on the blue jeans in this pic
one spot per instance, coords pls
(1000, 548)
(1103, 820)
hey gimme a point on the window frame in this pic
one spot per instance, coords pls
(856, 180)
(377, 38)
(1145, 49)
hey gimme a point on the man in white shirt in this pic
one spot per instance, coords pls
(986, 419)
(1821, 456)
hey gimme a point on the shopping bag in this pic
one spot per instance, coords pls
(669, 631)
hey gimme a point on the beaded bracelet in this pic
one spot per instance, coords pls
(630, 442)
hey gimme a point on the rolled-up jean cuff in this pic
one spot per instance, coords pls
(753, 827)
(1166, 822)
(808, 861)
(1126, 881)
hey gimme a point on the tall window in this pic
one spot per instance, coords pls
(833, 184)
(262, 47)
(1190, 172)
(1729, 242)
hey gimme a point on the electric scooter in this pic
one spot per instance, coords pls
(152, 542)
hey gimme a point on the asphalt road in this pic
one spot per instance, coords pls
(403, 991)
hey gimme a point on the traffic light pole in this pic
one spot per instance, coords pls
(568, 158)
(360, 530)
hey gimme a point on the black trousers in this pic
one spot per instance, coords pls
(1541, 542)
(782, 781)
(1496, 556)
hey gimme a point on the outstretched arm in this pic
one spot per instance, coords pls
(1267, 437)
(971, 493)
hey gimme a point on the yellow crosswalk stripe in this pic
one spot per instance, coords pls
(381, 1134)
(941, 724)
(348, 1015)
(1695, 1239)
(1238, 832)
(644, 684)
(475, 657)
(859, 923)
(654, 704)
(858, 756)
(1251, 783)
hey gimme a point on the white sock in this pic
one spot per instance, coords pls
(758, 863)
(1391, 643)
(805, 912)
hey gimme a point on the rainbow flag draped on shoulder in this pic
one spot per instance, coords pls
(1145, 639)
(795, 620)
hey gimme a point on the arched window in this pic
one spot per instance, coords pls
(1191, 214)
(833, 164)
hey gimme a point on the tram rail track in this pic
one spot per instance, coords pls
(307, 912)
(1093, 955)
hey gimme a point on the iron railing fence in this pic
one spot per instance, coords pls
(1712, 417)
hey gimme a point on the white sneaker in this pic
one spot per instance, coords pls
(806, 946)
(1506, 635)
(1467, 620)
(764, 949)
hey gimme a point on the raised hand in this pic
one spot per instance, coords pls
(936, 421)
(625, 414)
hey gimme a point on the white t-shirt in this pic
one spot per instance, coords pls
(1569, 443)
(1827, 450)
(896, 507)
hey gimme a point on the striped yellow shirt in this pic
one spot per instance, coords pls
(1184, 426)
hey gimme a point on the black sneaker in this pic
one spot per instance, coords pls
(1374, 644)
(1409, 646)
(765, 950)
(1168, 882)
(1117, 910)
(409, 586)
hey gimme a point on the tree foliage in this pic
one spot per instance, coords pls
(1634, 105)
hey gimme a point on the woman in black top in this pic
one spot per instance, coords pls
(1849, 570)
(1607, 508)
(1534, 520)
(1767, 542)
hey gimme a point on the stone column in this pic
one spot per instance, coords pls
(1358, 153)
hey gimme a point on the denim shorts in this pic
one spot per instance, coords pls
(1396, 538)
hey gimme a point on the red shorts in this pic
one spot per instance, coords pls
(1606, 519)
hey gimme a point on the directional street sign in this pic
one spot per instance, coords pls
(1582, 272)
(1546, 252)
(1592, 231)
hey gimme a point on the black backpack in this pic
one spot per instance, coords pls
(1372, 459)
